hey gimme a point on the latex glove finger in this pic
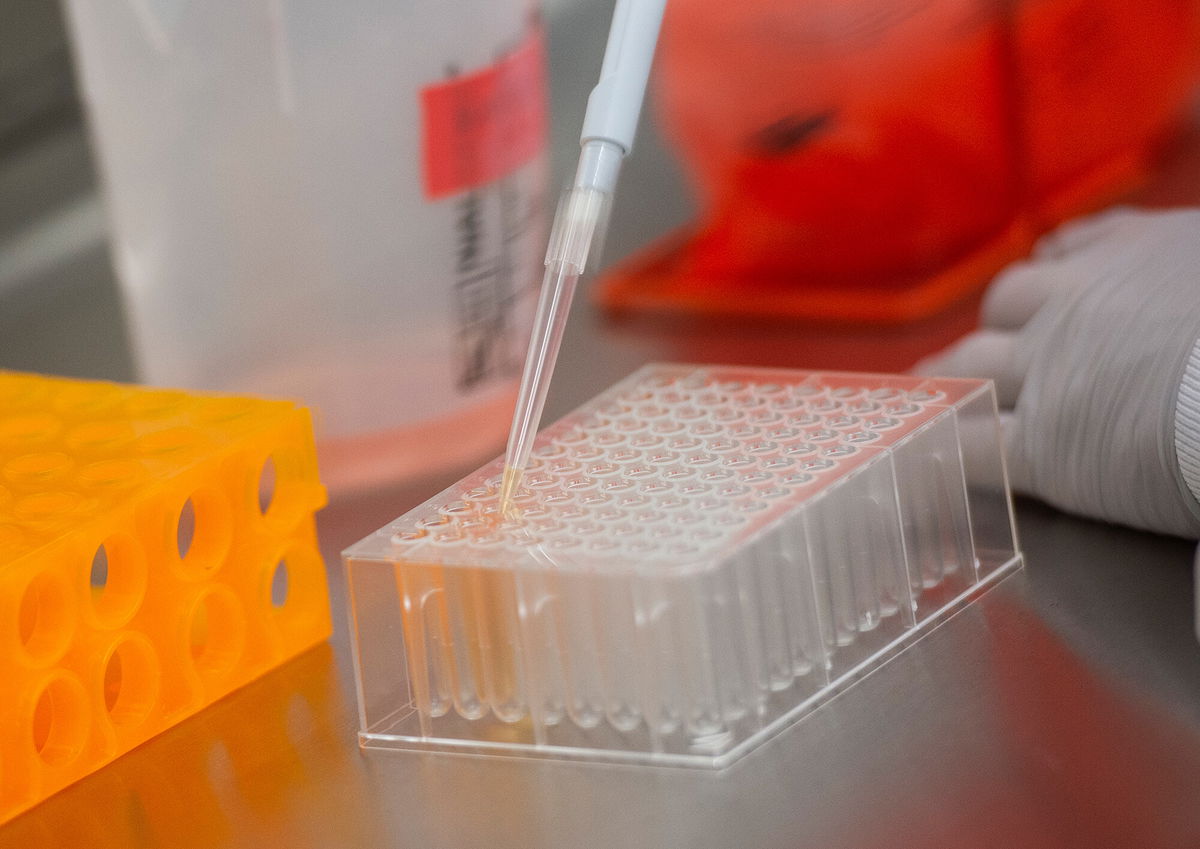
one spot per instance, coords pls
(1020, 293)
(1015, 296)
(1109, 317)
(985, 354)
(1068, 258)
(1093, 428)
(1075, 236)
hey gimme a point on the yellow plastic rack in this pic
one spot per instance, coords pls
(157, 551)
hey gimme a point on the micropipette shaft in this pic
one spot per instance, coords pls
(609, 126)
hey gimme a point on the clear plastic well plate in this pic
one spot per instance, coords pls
(701, 556)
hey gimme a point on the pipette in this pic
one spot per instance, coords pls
(609, 126)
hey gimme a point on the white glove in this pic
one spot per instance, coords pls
(1093, 343)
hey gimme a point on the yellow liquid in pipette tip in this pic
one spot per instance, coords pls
(508, 488)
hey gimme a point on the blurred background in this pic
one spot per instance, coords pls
(827, 183)
(61, 305)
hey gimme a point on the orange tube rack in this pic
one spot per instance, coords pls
(157, 551)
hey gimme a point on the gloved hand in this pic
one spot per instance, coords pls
(1092, 343)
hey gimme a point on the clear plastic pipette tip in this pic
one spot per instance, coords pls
(582, 214)
(609, 125)
(553, 307)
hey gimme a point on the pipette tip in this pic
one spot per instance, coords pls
(508, 488)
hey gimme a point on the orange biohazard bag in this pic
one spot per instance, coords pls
(876, 160)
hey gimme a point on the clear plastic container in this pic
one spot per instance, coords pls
(338, 202)
(701, 557)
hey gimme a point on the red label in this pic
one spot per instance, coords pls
(481, 126)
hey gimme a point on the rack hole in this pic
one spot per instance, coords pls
(279, 489)
(60, 721)
(130, 682)
(113, 680)
(44, 618)
(279, 584)
(216, 633)
(291, 583)
(267, 482)
(117, 577)
(98, 577)
(201, 533)
(198, 635)
(27, 621)
(185, 530)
